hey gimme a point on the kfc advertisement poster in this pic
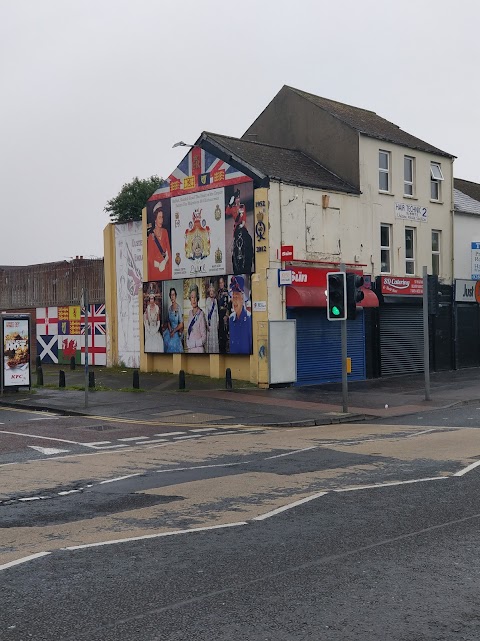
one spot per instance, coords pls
(16, 352)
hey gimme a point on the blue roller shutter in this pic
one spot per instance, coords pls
(319, 346)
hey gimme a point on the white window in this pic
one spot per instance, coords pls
(410, 250)
(436, 248)
(385, 249)
(384, 170)
(436, 178)
(408, 175)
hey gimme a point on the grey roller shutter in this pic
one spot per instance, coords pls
(401, 339)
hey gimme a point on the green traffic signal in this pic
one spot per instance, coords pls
(335, 311)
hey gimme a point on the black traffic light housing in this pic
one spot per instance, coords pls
(336, 296)
(354, 294)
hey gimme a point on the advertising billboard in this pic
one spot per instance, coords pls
(206, 315)
(16, 351)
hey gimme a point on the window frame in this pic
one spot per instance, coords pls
(437, 252)
(436, 179)
(386, 248)
(409, 183)
(410, 260)
(384, 172)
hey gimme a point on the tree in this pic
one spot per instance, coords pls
(131, 199)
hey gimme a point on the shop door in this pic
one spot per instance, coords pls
(319, 346)
(401, 339)
(468, 338)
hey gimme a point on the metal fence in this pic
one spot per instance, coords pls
(52, 284)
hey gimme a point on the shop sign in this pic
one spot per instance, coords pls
(286, 252)
(284, 277)
(467, 291)
(415, 213)
(259, 305)
(401, 286)
(475, 261)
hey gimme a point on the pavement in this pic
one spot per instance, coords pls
(205, 400)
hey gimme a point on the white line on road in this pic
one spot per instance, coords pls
(467, 469)
(94, 443)
(45, 418)
(201, 467)
(182, 438)
(262, 517)
(48, 451)
(154, 440)
(134, 438)
(169, 434)
(155, 536)
(204, 429)
(305, 449)
(5, 566)
(120, 478)
(390, 484)
(46, 438)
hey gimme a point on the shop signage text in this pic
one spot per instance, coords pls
(467, 291)
(401, 286)
(475, 261)
(414, 213)
(286, 252)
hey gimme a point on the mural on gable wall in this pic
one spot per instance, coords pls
(200, 257)
(60, 334)
(200, 221)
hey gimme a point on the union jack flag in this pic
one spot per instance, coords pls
(97, 319)
(199, 170)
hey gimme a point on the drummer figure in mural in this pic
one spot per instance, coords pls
(242, 247)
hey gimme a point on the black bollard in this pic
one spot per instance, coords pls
(38, 362)
(91, 380)
(61, 378)
(181, 379)
(136, 379)
(228, 378)
(39, 376)
(72, 362)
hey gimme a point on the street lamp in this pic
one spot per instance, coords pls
(181, 144)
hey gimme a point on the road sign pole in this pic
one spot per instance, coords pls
(426, 341)
(344, 360)
(84, 304)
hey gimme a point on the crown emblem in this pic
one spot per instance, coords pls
(218, 212)
(218, 256)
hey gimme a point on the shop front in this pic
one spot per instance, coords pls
(467, 323)
(318, 339)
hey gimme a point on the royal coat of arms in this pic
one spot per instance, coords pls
(197, 237)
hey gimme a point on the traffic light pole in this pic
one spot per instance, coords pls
(344, 359)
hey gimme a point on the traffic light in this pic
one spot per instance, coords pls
(336, 296)
(354, 294)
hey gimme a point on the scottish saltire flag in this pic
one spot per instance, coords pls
(198, 170)
(46, 321)
(47, 348)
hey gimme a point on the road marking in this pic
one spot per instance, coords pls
(94, 443)
(66, 492)
(5, 566)
(467, 469)
(120, 478)
(155, 440)
(45, 438)
(204, 429)
(109, 447)
(155, 536)
(290, 506)
(133, 438)
(169, 434)
(182, 438)
(422, 432)
(201, 467)
(44, 418)
(47, 450)
(305, 449)
(390, 484)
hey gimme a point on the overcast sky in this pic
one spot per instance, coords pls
(95, 92)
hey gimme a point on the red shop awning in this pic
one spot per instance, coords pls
(315, 297)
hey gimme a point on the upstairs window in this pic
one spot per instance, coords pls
(436, 178)
(408, 175)
(410, 251)
(436, 247)
(384, 171)
(385, 249)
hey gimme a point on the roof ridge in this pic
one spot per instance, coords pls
(253, 142)
(337, 102)
(464, 180)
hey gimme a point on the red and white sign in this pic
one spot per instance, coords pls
(309, 277)
(286, 252)
(401, 286)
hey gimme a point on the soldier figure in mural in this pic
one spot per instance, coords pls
(224, 309)
(242, 248)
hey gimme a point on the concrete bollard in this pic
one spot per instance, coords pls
(38, 362)
(72, 362)
(39, 376)
(228, 378)
(136, 379)
(181, 379)
(61, 378)
(91, 380)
